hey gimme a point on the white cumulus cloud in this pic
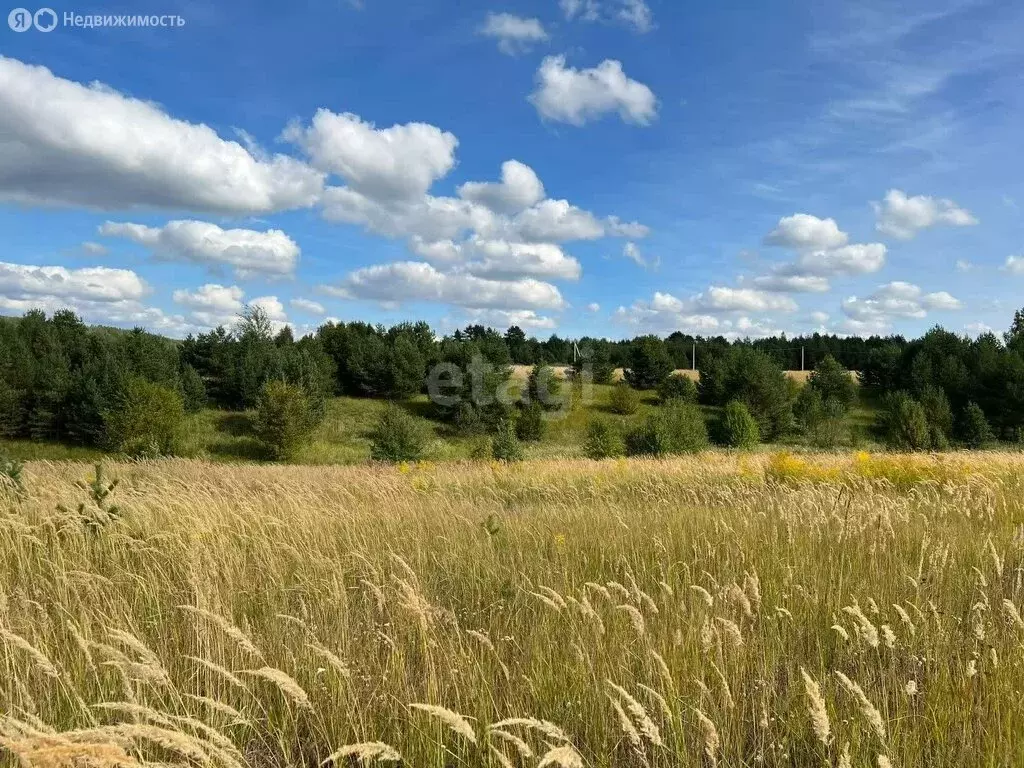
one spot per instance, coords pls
(526, 319)
(409, 281)
(518, 189)
(22, 281)
(225, 300)
(635, 14)
(1014, 264)
(64, 143)
(803, 231)
(400, 162)
(577, 96)
(515, 34)
(249, 252)
(897, 299)
(308, 305)
(903, 217)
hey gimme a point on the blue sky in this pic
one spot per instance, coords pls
(601, 167)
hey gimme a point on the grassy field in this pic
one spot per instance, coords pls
(344, 436)
(739, 610)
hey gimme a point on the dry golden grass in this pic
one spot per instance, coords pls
(715, 610)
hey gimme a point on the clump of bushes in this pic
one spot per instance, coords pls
(939, 415)
(904, 423)
(505, 446)
(678, 386)
(146, 421)
(679, 428)
(11, 474)
(624, 400)
(603, 441)
(974, 427)
(649, 363)
(739, 430)
(598, 362)
(824, 422)
(285, 418)
(833, 382)
(544, 388)
(397, 436)
(757, 381)
(530, 426)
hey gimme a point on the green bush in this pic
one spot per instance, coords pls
(679, 428)
(480, 449)
(832, 429)
(603, 441)
(530, 426)
(147, 420)
(505, 446)
(397, 436)
(939, 415)
(833, 382)
(284, 418)
(739, 430)
(11, 474)
(598, 362)
(544, 388)
(649, 362)
(754, 379)
(904, 423)
(974, 428)
(624, 399)
(678, 386)
(467, 420)
(193, 391)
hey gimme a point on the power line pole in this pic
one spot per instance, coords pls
(802, 359)
(693, 358)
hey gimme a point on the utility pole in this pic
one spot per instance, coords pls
(802, 359)
(693, 358)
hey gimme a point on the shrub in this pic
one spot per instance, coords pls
(739, 430)
(974, 428)
(505, 446)
(904, 423)
(757, 381)
(11, 474)
(678, 386)
(649, 363)
(685, 428)
(544, 388)
(480, 449)
(193, 391)
(467, 419)
(530, 426)
(147, 420)
(603, 441)
(831, 429)
(833, 382)
(679, 428)
(284, 418)
(598, 361)
(397, 436)
(624, 400)
(807, 409)
(939, 415)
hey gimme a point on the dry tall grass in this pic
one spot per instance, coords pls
(707, 611)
